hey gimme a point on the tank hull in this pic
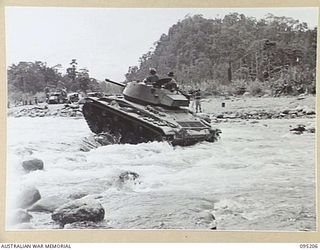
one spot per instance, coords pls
(136, 123)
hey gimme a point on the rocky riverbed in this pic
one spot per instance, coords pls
(219, 109)
(44, 110)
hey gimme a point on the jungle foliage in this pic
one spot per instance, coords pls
(234, 50)
(26, 79)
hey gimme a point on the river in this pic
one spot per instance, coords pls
(258, 176)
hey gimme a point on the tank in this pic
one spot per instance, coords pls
(148, 112)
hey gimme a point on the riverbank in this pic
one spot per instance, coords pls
(218, 108)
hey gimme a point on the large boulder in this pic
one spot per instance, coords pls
(79, 210)
(27, 197)
(48, 204)
(32, 165)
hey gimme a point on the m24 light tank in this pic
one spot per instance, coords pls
(147, 113)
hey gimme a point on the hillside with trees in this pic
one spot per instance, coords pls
(236, 52)
(223, 56)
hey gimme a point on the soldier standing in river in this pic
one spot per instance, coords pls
(197, 97)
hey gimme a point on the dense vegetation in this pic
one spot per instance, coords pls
(222, 55)
(29, 79)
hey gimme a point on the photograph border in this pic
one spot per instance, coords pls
(104, 235)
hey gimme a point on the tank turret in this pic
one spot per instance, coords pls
(155, 94)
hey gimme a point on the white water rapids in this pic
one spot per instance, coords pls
(258, 176)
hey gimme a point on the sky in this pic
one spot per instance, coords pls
(106, 41)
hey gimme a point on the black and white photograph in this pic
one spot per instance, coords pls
(161, 119)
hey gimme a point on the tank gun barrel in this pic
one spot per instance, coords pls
(116, 83)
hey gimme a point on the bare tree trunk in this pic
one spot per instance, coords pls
(229, 72)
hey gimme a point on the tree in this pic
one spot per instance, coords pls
(32, 77)
(222, 50)
(72, 70)
(84, 80)
(29, 78)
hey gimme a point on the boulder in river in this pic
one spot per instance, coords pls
(311, 129)
(128, 176)
(27, 197)
(99, 140)
(127, 179)
(77, 195)
(207, 220)
(299, 129)
(79, 210)
(309, 111)
(32, 165)
(48, 204)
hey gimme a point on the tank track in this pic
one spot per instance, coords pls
(104, 119)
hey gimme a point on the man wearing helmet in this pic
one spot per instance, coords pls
(153, 77)
(172, 85)
(197, 97)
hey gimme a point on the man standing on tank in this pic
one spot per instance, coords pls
(153, 77)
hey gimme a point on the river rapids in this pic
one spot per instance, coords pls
(258, 176)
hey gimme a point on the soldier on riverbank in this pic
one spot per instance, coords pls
(197, 98)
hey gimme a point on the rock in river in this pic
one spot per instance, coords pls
(77, 195)
(126, 176)
(79, 210)
(206, 219)
(48, 204)
(28, 197)
(32, 165)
